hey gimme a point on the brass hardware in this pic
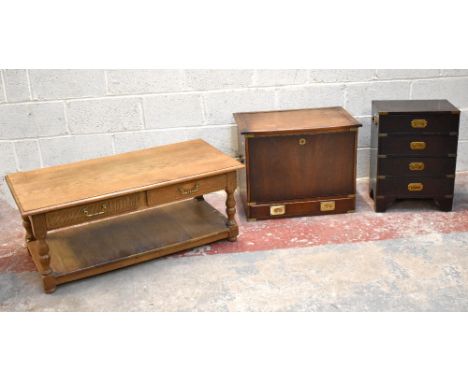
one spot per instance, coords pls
(383, 135)
(248, 136)
(351, 195)
(416, 166)
(189, 191)
(417, 145)
(380, 156)
(381, 177)
(419, 123)
(327, 206)
(89, 214)
(302, 141)
(277, 210)
(451, 176)
(252, 204)
(415, 187)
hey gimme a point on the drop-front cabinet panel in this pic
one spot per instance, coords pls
(413, 151)
(298, 162)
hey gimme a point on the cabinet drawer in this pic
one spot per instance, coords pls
(419, 123)
(299, 208)
(395, 166)
(186, 190)
(415, 186)
(94, 211)
(421, 145)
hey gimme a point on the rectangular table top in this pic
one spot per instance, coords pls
(56, 187)
(287, 121)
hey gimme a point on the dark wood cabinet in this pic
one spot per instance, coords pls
(298, 162)
(413, 151)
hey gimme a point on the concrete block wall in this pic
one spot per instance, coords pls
(50, 117)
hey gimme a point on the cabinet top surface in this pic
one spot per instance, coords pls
(96, 179)
(294, 120)
(415, 106)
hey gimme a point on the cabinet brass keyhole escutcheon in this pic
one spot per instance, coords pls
(302, 141)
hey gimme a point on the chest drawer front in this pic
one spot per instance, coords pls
(421, 145)
(186, 190)
(416, 166)
(419, 123)
(94, 211)
(415, 186)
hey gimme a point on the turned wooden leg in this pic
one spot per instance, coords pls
(231, 207)
(28, 228)
(444, 204)
(39, 228)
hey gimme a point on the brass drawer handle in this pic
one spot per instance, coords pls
(327, 206)
(416, 166)
(419, 123)
(302, 141)
(418, 145)
(189, 191)
(89, 214)
(277, 210)
(415, 187)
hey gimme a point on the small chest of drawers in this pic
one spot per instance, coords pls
(413, 151)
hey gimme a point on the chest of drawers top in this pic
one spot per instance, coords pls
(93, 180)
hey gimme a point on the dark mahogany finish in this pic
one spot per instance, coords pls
(413, 151)
(298, 162)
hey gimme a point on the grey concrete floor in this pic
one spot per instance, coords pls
(423, 273)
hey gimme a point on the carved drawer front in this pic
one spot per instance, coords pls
(415, 186)
(421, 145)
(410, 166)
(186, 190)
(94, 211)
(419, 123)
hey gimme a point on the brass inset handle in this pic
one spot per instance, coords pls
(419, 123)
(277, 210)
(417, 145)
(89, 214)
(302, 141)
(327, 206)
(189, 191)
(416, 166)
(415, 187)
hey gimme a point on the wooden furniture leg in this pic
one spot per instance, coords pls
(231, 206)
(40, 233)
(28, 228)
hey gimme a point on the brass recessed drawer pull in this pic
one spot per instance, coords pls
(188, 191)
(418, 145)
(415, 187)
(91, 214)
(277, 210)
(302, 141)
(327, 206)
(419, 123)
(416, 166)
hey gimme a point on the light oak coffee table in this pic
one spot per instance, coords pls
(94, 216)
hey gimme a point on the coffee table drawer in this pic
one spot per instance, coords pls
(94, 211)
(186, 190)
